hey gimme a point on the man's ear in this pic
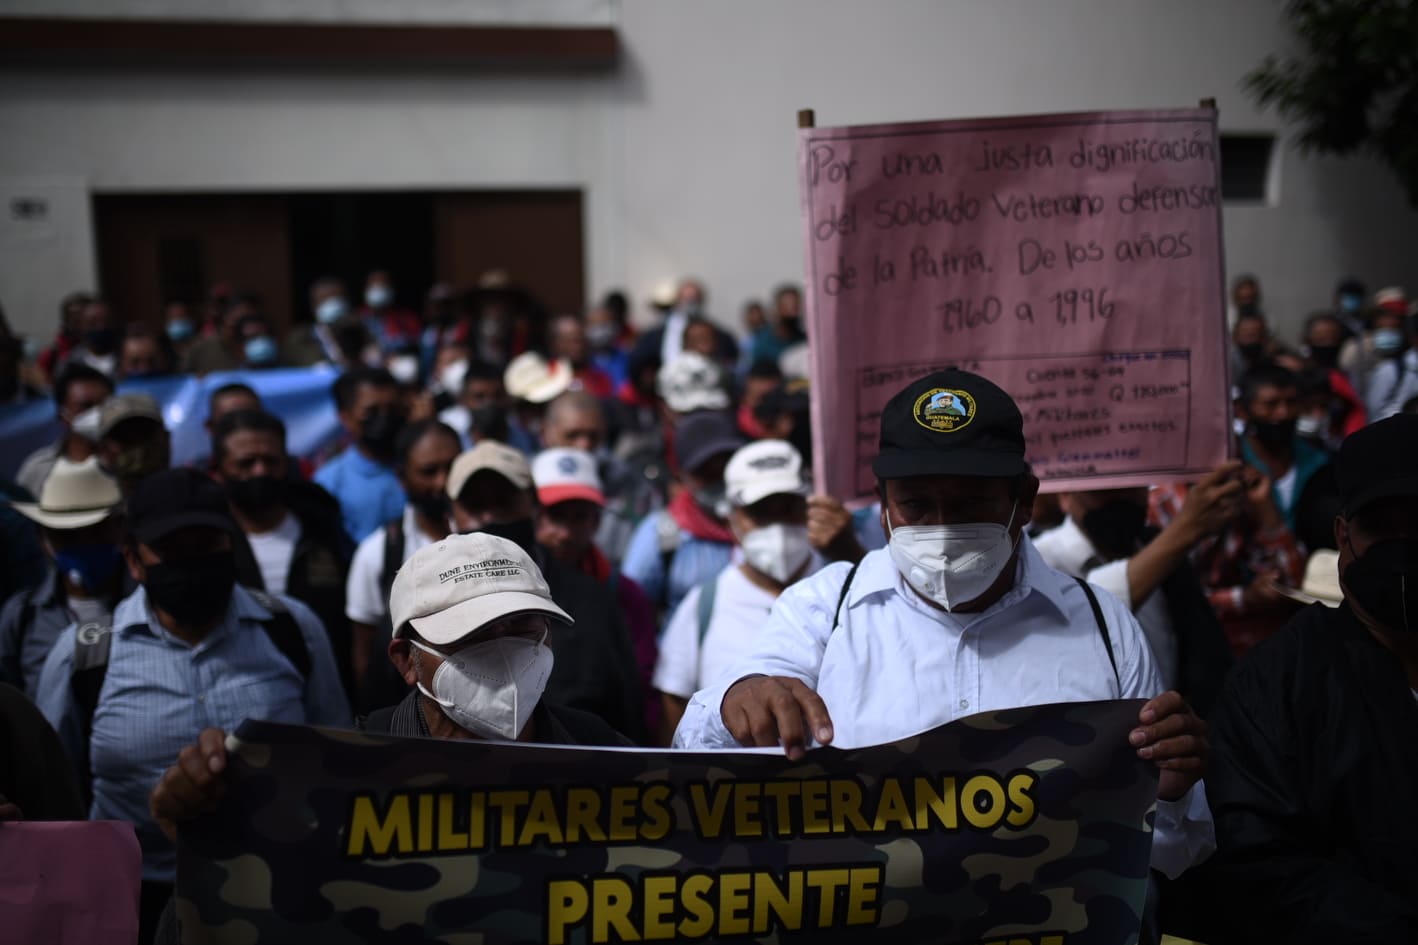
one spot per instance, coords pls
(881, 497)
(401, 653)
(136, 569)
(1028, 492)
(1341, 533)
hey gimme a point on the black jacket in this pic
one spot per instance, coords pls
(318, 568)
(595, 669)
(1313, 784)
(553, 725)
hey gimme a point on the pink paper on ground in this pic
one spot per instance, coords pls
(69, 883)
(1075, 260)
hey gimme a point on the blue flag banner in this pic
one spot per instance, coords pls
(299, 396)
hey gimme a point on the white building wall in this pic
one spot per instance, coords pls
(686, 151)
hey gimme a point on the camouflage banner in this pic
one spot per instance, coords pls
(1022, 827)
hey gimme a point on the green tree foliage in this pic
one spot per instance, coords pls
(1352, 85)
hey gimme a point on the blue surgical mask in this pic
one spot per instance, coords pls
(1388, 341)
(260, 350)
(378, 296)
(331, 310)
(89, 566)
(1349, 304)
(180, 329)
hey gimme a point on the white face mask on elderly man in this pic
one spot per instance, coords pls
(951, 564)
(490, 688)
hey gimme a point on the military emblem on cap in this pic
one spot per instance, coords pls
(944, 411)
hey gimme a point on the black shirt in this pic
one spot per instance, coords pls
(1313, 785)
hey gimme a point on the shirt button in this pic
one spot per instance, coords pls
(202, 697)
(964, 703)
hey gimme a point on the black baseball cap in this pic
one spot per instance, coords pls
(174, 499)
(1378, 462)
(702, 435)
(951, 423)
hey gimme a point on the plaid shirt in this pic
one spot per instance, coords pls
(1227, 562)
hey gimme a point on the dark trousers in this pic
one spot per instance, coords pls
(153, 899)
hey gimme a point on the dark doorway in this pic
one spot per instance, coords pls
(157, 247)
(350, 235)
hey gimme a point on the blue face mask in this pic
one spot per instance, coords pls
(260, 350)
(1349, 304)
(331, 310)
(89, 566)
(180, 329)
(1388, 341)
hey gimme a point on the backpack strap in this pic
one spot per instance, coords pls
(393, 556)
(842, 598)
(667, 539)
(1102, 629)
(92, 643)
(707, 592)
(284, 632)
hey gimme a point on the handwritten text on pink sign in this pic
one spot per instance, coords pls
(1075, 260)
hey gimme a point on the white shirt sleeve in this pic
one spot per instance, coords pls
(1183, 831)
(363, 601)
(677, 669)
(792, 643)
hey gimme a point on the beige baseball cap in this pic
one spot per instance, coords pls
(75, 495)
(121, 407)
(453, 588)
(489, 454)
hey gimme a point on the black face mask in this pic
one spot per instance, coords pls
(434, 507)
(1275, 434)
(196, 591)
(101, 340)
(1251, 352)
(255, 494)
(520, 533)
(379, 430)
(1325, 355)
(1115, 528)
(1384, 582)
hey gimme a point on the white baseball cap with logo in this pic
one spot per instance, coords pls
(453, 588)
(764, 468)
(564, 474)
(692, 382)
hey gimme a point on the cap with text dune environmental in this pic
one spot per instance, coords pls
(453, 588)
(951, 423)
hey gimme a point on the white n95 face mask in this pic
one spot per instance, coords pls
(491, 688)
(951, 564)
(779, 551)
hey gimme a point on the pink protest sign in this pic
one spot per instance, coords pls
(1075, 260)
(69, 882)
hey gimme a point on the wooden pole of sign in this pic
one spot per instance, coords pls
(806, 118)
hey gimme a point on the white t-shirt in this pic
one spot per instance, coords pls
(273, 551)
(740, 609)
(364, 598)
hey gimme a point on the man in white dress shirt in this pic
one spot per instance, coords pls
(957, 615)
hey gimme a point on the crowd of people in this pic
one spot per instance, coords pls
(641, 558)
